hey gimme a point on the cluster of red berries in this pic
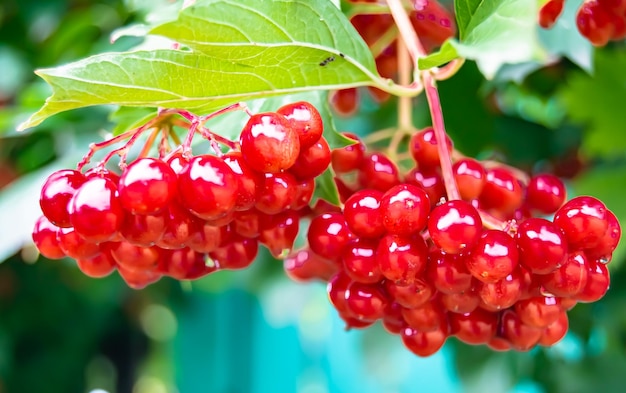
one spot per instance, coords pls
(600, 21)
(480, 268)
(186, 216)
(433, 23)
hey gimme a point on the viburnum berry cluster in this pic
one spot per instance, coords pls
(181, 215)
(600, 21)
(488, 268)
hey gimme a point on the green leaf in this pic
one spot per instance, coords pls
(241, 49)
(326, 189)
(597, 102)
(493, 33)
(445, 54)
(126, 118)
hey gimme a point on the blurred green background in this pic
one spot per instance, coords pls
(255, 331)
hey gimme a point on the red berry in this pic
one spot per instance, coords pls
(365, 301)
(345, 101)
(75, 246)
(180, 224)
(448, 272)
(249, 181)
(584, 220)
(474, 328)
(598, 282)
(134, 257)
(455, 226)
(97, 266)
(377, 171)
(429, 316)
(328, 235)
(279, 232)
(521, 336)
(393, 322)
(208, 187)
(423, 148)
(143, 230)
(604, 249)
(269, 143)
(569, 279)
(594, 23)
(410, 296)
(404, 209)
(461, 303)
(424, 343)
(206, 237)
(402, 259)
(304, 265)
(336, 289)
(360, 263)
(312, 161)
(555, 332)
(45, 238)
(470, 177)
(186, 264)
(550, 12)
(277, 193)
(239, 253)
(539, 311)
(138, 279)
(95, 210)
(304, 193)
(349, 158)
(147, 186)
(501, 294)
(493, 257)
(248, 223)
(305, 120)
(542, 245)
(56, 194)
(545, 193)
(362, 214)
(433, 23)
(502, 191)
(429, 180)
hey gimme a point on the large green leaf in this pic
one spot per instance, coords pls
(493, 33)
(237, 50)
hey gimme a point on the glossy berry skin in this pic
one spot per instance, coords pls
(359, 261)
(502, 191)
(461, 303)
(208, 187)
(455, 226)
(402, 259)
(304, 266)
(362, 213)
(584, 222)
(279, 233)
(501, 294)
(423, 147)
(269, 143)
(429, 180)
(470, 177)
(542, 245)
(95, 210)
(598, 282)
(594, 23)
(447, 272)
(249, 180)
(474, 328)
(378, 172)
(429, 316)
(569, 279)
(604, 249)
(138, 279)
(345, 101)
(555, 332)
(545, 193)
(56, 194)
(45, 238)
(365, 301)
(277, 193)
(312, 161)
(328, 235)
(336, 288)
(539, 311)
(404, 209)
(97, 266)
(74, 246)
(206, 237)
(303, 195)
(410, 296)
(521, 336)
(147, 186)
(134, 257)
(493, 257)
(237, 254)
(143, 230)
(305, 120)
(186, 264)
(424, 344)
(349, 158)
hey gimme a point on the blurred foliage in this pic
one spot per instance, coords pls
(63, 332)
